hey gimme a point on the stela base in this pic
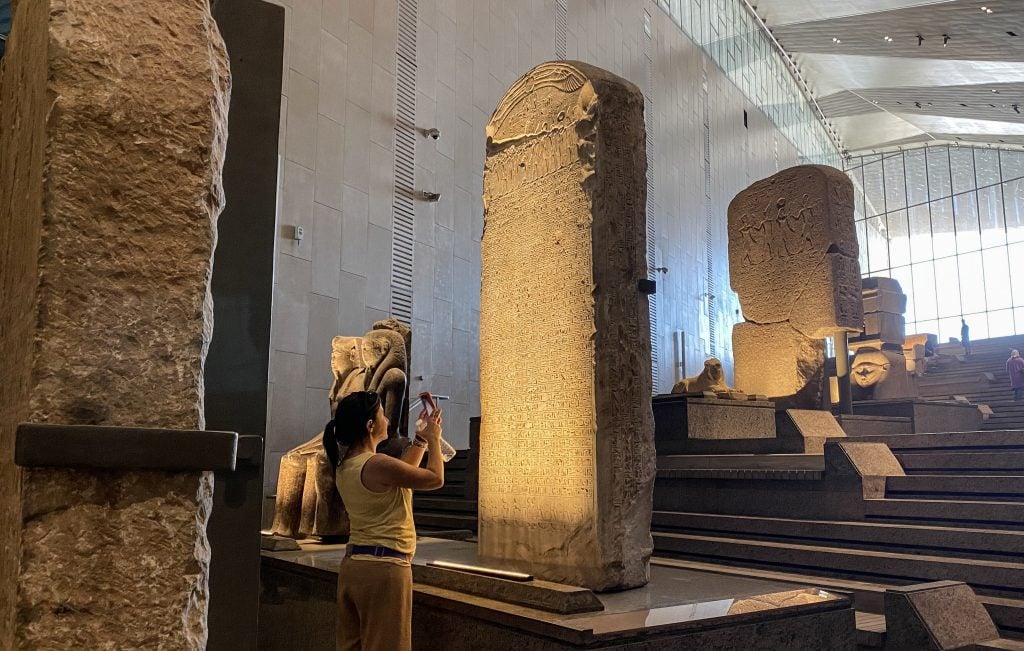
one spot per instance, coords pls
(682, 422)
(678, 608)
(925, 415)
(687, 425)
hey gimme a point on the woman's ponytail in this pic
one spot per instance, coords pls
(331, 444)
(348, 426)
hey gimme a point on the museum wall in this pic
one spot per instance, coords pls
(337, 170)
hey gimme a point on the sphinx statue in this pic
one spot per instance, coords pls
(307, 502)
(711, 379)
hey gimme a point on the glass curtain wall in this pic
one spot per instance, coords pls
(948, 224)
(727, 32)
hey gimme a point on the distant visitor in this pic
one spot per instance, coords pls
(1015, 369)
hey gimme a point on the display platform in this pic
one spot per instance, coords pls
(862, 425)
(683, 423)
(679, 608)
(925, 416)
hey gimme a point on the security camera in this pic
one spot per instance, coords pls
(430, 196)
(433, 133)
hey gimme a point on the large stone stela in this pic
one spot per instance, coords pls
(566, 452)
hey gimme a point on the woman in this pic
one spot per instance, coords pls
(1015, 369)
(375, 579)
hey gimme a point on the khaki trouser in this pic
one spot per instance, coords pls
(374, 606)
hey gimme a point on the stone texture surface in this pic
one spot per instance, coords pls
(114, 122)
(776, 360)
(567, 458)
(679, 420)
(939, 615)
(726, 419)
(887, 327)
(791, 238)
(884, 300)
(871, 459)
(808, 428)
(871, 463)
(793, 263)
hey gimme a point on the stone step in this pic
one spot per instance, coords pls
(984, 488)
(424, 502)
(989, 577)
(868, 596)
(1001, 439)
(1001, 644)
(780, 474)
(434, 520)
(742, 461)
(948, 461)
(451, 488)
(935, 540)
(458, 463)
(971, 514)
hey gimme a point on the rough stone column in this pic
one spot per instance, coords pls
(793, 263)
(567, 456)
(113, 123)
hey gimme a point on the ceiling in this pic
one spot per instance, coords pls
(880, 86)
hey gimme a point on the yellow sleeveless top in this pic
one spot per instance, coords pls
(377, 519)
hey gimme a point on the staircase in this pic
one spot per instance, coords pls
(958, 514)
(988, 356)
(451, 508)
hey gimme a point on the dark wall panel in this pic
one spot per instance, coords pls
(243, 282)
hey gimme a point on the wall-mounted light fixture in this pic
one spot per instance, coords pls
(430, 196)
(945, 40)
(433, 132)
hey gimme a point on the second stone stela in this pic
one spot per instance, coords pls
(793, 261)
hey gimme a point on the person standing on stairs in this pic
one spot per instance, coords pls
(1015, 369)
(965, 337)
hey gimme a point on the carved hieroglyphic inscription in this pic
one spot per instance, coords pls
(561, 479)
(537, 284)
(778, 232)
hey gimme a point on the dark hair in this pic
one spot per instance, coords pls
(348, 426)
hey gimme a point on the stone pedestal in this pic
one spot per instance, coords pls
(567, 459)
(782, 363)
(681, 419)
(925, 415)
(112, 134)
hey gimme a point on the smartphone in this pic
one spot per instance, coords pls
(428, 402)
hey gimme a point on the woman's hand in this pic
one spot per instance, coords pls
(431, 426)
